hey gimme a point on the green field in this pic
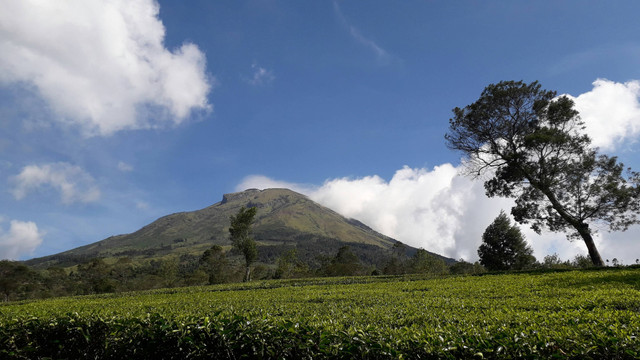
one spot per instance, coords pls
(573, 314)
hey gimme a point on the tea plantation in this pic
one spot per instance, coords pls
(589, 314)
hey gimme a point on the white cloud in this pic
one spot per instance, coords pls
(101, 65)
(261, 76)
(435, 209)
(124, 167)
(73, 183)
(381, 54)
(141, 205)
(22, 238)
(611, 112)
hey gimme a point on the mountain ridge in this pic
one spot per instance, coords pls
(285, 219)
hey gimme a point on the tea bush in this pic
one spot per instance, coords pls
(589, 314)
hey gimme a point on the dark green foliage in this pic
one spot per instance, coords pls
(463, 267)
(531, 143)
(289, 266)
(395, 266)
(503, 247)
(240, 231)
(581, 262)
(553, 261)
(419, 262)
(344, 263)
(215, 264)
(14, 278)
(424, 263)
(397, 263)
(94, 277)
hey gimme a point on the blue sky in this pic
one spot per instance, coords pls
(113, 114)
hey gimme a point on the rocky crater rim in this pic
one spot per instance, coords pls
(249, 193)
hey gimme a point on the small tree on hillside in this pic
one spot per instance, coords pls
(503, 246)
(14, 276)
(424, 263)
(581, 261)
(240, 231)
(396, 264)
(214, 263)
(344, 263)
(289, 266)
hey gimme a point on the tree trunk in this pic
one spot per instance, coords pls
(581, 227)
(247, 275)
(583, 230)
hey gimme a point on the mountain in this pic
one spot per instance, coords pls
(284, 220)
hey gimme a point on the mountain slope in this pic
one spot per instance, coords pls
(285, 220)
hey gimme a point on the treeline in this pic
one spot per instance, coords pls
(215, 266)
(19, 281)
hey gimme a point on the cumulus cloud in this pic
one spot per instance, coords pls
(73, 183)
(611, 112)
(101, 65)
(22, 238)
(261, 76)
(434, 209)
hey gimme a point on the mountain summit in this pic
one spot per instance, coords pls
(285, 220)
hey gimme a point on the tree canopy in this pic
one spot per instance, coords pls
(13, 276)
(344, 263)
(503, 246)
(531, 144)
(214, 264)
(424, 263)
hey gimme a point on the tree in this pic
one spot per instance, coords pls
(463, 267)
(288, 265)
(581, 261)
(214, 264)
(240, 231)
(503, 246)
(93, 277)
(553, 261)
(396, 264)
(344, 263)
(424, 263)
(530, 143)
(14, 277)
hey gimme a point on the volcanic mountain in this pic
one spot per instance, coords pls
(284, 220)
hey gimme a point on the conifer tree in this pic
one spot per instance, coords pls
(503, 246)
